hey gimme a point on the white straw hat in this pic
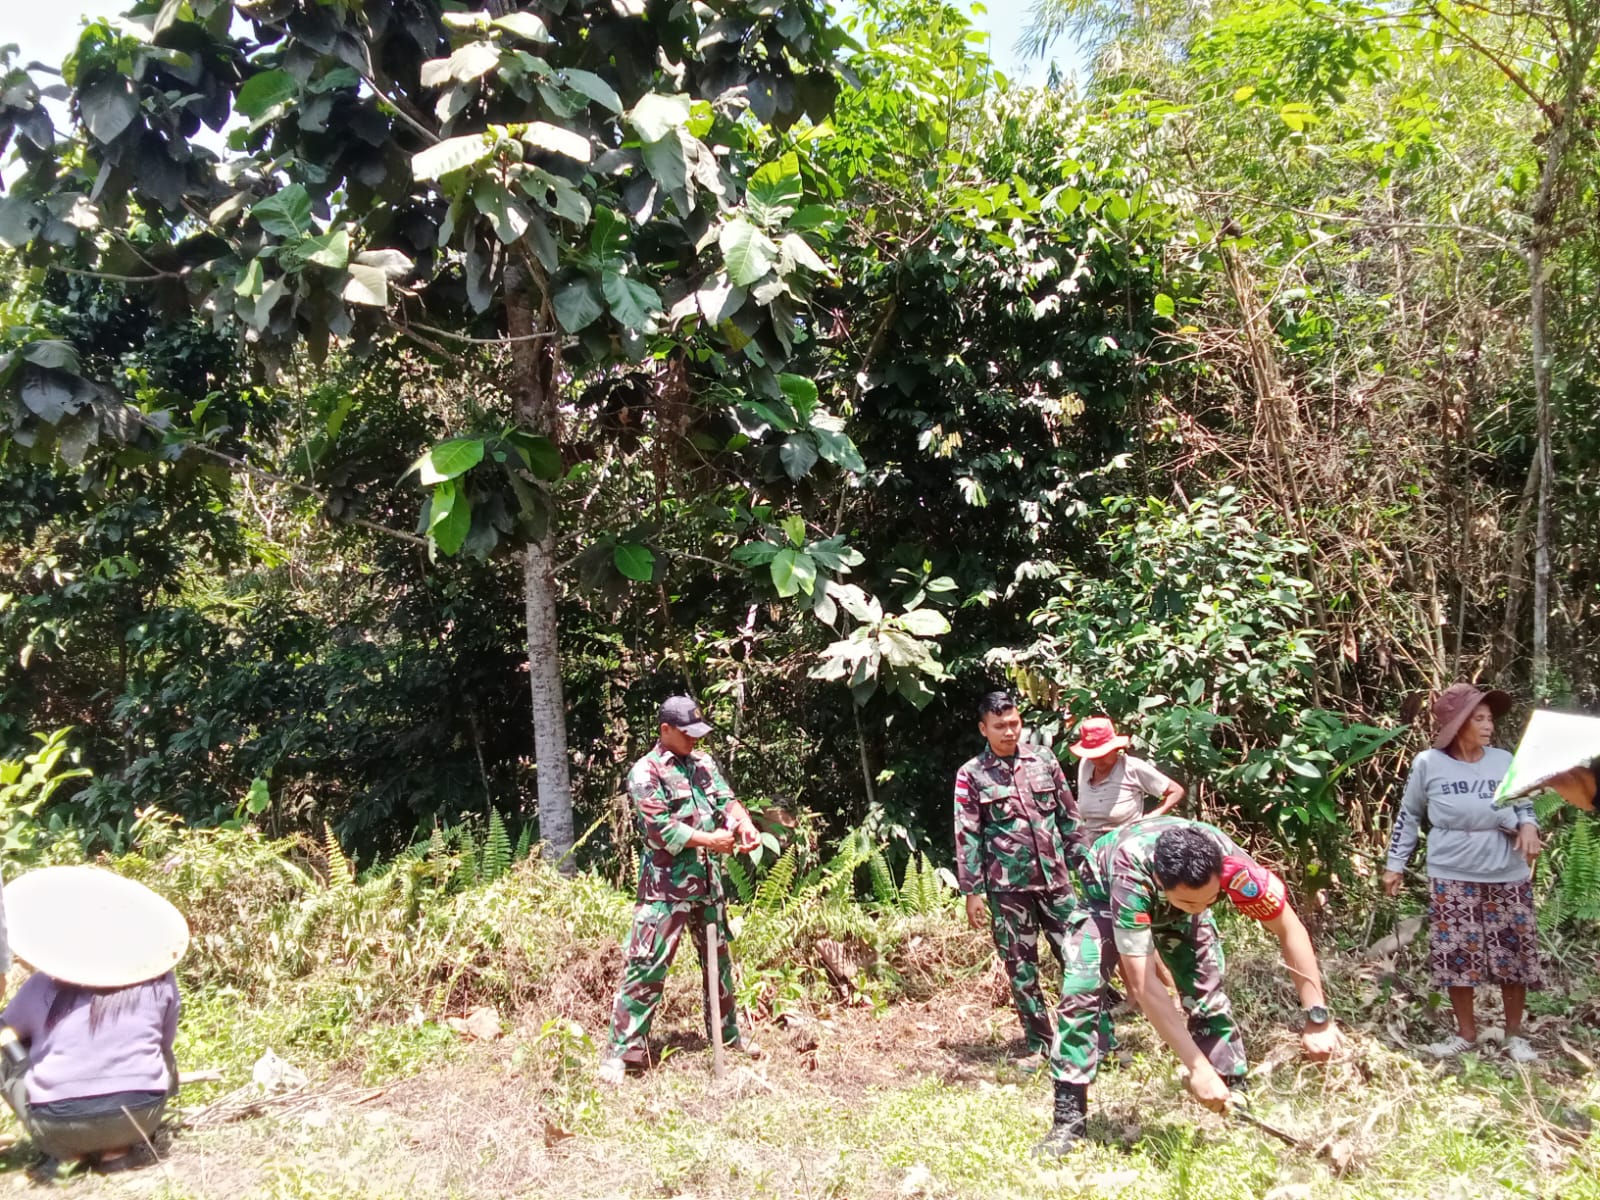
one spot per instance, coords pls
(93, 928)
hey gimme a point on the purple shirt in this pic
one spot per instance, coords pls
(128, 1053)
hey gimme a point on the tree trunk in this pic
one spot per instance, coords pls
(549, 707)
(1541, 523)
(536, 411)
(1544, 239)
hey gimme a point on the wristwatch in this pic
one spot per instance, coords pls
(1317, 1014)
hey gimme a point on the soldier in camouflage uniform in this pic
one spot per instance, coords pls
(1017, 846)
(686, 813)
(1147, 889)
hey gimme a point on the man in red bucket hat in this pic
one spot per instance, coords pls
(1112, 783)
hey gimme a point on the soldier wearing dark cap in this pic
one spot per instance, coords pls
(686, 813)
(1017, 849)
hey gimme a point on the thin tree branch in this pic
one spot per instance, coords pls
(477, 341)
(109, 277)
(1551, 113)
(418, 127)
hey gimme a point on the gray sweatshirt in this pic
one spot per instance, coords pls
(1468, 838)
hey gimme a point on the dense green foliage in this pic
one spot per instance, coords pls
(1202, 396)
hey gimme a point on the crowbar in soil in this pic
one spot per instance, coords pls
(1237, 1108)
(714, 994)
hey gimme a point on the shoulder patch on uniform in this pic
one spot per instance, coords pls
(1252, 889)
(1142, 918)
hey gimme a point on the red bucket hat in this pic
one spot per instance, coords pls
(1098, 737)
(1453, 706)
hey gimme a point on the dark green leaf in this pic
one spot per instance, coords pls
(331, 249)
(801, 393)
(524, 25)
(775, 413)
(754, 554)
(720, 300)
(538, 453)
(257, 800)
(508, 215)
(449, 459)
(20, 220)
(798, 455)
(49, 352)
(838, 449)
(577, 304)
(287, 212)
(665, 161)
(586, 83)
(634, 561)
(608, 237)
(452, 154)
(450, 517)
(264, 91)
(793, 571)
(48, 394)
(108, 107)
(251, 280)
(775, 191)
(748, 252)
(657, 115)
(633, 304)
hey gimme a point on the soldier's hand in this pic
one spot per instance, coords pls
(721, 842)
(1206, 1086)
(748, 836)
(1322, 1042)
(977, 912)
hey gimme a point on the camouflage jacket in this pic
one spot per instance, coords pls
(1016, 824)
(1120, 877)
(672, 798)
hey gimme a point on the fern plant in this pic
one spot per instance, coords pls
(884, 890)
(341, 873)
(743, 885)
(1572, 859)
(1580, 872)
(495, 860)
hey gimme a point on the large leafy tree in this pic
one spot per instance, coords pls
(526, 192)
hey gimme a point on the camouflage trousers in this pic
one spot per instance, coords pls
(1192, 950)
(658, 927)
(1016, 919)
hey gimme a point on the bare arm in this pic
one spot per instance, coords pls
(1171, 797)
(1318, 1042)
(1139, 973)
(1298, 956)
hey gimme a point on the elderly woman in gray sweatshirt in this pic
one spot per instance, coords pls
(1481, 926)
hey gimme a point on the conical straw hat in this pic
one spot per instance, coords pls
(93, 928)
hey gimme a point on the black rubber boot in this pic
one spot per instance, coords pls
(1072, 1113)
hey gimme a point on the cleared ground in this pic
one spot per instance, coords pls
(916, 1100)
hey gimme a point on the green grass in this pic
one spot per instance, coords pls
(908, 1096)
